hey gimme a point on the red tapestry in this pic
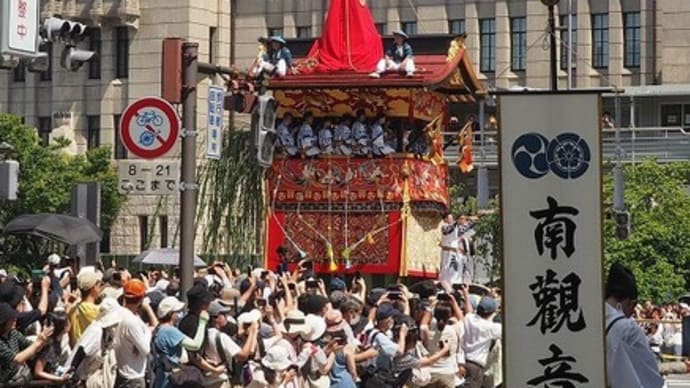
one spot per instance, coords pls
(350, 40)
(375, 253)
(337, 180)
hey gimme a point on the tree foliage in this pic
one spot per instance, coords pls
(46, 177)
(658, 248)
(231, 199)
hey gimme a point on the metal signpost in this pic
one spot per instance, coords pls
(214, 138)
(19, 27)
(550, 167)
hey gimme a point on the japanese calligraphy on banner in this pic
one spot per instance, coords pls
(551, 206)
(214, 138)
(19, 27)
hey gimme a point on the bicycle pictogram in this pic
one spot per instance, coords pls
(149, 117)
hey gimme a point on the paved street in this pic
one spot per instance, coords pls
(678, 381)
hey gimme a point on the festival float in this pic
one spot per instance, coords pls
(361, 214)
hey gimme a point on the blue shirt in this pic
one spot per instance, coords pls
(168, 342)
(400, 53)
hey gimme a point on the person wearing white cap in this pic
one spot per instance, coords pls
(169, 341)
(398, 58)
(98, 368)
(275, 370)
(295, 335)
(59, 277)
(89, 281)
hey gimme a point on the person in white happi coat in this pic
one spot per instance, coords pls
(326, 137)
(362, 142)
(378, 143)
(343, 137)
(452, 257)
(630, 362)
(286, 139)
(306, 140)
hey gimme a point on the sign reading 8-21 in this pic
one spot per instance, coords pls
(138, 177)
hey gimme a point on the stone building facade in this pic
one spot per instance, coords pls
(85, 105)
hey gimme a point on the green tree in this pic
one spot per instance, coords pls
(46, 178)
(658, 248)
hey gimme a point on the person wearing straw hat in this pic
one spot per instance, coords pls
(630, 362)
(99, 366)
(279, 58)
(399, 58)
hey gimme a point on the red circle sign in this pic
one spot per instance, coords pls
(149, 127)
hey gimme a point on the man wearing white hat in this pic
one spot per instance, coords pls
(398, 58)
(99, 366)
(89, 281)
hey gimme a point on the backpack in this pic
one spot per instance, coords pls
(382, 372)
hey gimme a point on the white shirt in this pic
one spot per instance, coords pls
(132, 346)
(630, 362)
(479, 333)
(449, 336)
(90, 340)
(229, 346)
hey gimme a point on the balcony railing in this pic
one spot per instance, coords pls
(94, 11)
(665, 144)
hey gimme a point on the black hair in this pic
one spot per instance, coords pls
(59, 321)
(442, 312)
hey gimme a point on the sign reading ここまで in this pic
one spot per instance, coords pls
(551, 208)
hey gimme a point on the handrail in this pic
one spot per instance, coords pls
(667, 144)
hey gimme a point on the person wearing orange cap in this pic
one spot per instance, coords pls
(133, 337)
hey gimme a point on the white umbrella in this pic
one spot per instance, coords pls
(165, 256)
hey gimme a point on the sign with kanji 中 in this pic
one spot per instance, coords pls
(149, 127)
(552, 240)
(143, 177)
(214, 138)
(19, 27)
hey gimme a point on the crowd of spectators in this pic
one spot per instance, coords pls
(105, 327)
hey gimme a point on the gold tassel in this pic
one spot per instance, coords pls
(370, 239)
(332, 265)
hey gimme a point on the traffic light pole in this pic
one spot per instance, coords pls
(190, 58)
(191, 69)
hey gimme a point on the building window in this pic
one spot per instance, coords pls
(95, 46)
(600, 40)
(381, 28)
(518, 43)
(19, 72)
(105, 242)
(120, 150)
(675, 115)
(212, 35)
(121, 52)
(631, 34)
(275, 31)
(456, 26)
(93, 131)
(163, 225)
(487, 49)
(48, 74)
(410, 28)
(45, 126)
(143, 233)
(565, 44)
(304, 32)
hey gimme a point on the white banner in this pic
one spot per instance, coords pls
(552, 240)
(19, 27)
(214, 138)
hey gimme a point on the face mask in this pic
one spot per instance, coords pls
(355, 320)
(180, 315)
